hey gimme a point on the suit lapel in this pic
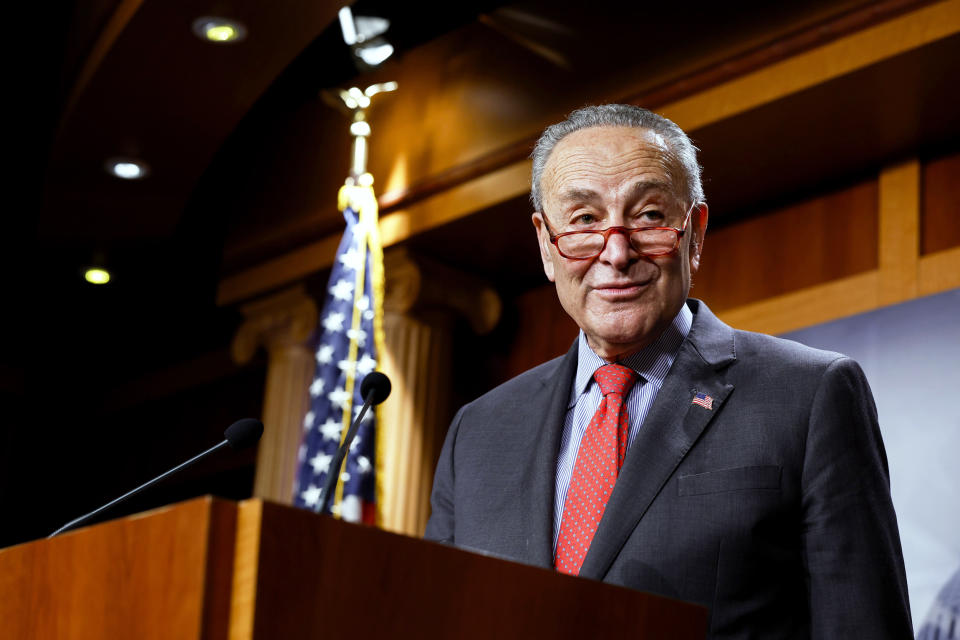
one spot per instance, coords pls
(669, 431)
(548, 412)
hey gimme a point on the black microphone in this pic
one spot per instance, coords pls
(240, 434)
(375, 388)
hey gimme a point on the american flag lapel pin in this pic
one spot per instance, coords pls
(703, 400)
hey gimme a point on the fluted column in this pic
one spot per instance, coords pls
(281, 323)
(422, 302)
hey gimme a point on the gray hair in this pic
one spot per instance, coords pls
(618, 115)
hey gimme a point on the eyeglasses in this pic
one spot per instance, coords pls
(647, 241)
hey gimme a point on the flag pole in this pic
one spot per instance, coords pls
(358, 194)
(350, 344)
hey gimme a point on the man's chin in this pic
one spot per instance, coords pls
(625, 333)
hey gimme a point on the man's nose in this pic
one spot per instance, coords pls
(618, 251)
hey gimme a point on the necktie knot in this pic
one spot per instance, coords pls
(615, 378)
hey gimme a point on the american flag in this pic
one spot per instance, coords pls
(350, 334)
(703, 400)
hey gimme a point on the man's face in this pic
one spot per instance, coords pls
(618, 176)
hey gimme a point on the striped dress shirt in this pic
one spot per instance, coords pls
(652, 363)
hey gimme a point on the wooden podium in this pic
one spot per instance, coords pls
(214, 569)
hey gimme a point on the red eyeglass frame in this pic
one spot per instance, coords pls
(554, 238)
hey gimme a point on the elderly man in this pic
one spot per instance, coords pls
(666, 451)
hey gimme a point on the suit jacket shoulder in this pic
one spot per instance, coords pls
(499, 458)
(514, 396)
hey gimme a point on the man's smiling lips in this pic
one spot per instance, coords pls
(620, 290)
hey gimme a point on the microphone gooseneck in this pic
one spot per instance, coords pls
(375, 388)
(240, 434)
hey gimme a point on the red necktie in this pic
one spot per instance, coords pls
(595, 471)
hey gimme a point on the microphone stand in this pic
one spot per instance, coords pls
(334, 471)
(78, 521)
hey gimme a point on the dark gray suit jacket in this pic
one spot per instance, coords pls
(772, 508)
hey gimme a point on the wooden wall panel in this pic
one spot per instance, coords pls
(813, 242)
(939, 219)
(544, 330)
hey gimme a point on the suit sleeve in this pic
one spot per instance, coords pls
(440, 526)
(855, 575)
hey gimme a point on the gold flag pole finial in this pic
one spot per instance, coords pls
(356, 103)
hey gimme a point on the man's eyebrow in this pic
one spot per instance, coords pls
(642, 187)
(578, 195)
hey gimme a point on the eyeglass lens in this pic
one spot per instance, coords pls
(644, 241)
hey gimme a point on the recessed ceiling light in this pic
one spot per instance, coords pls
(96, 275)
(219, 29)
(127, 169)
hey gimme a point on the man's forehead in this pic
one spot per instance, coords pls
(609, 150)
(606, 139)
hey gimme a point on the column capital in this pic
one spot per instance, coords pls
(416, 284)
(282, 320)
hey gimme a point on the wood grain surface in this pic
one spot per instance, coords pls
(158, 575)
(319, 577)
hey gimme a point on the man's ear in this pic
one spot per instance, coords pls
(698, 231)
(543, 239)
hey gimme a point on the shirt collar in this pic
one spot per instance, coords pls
(652, 362)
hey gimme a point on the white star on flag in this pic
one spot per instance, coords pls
(317, 387)
(364, 305)
(361, 229)
(354, 444)
(366, 364)
(343, 290)
(331, 429)
(346, 366)
(308, 420)
(325, 353)
(363, 464)
(338, 398)
(359, 335)
(350, 509)
(351, 259)
(320, 463)
(333, 322)
(311, 496)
